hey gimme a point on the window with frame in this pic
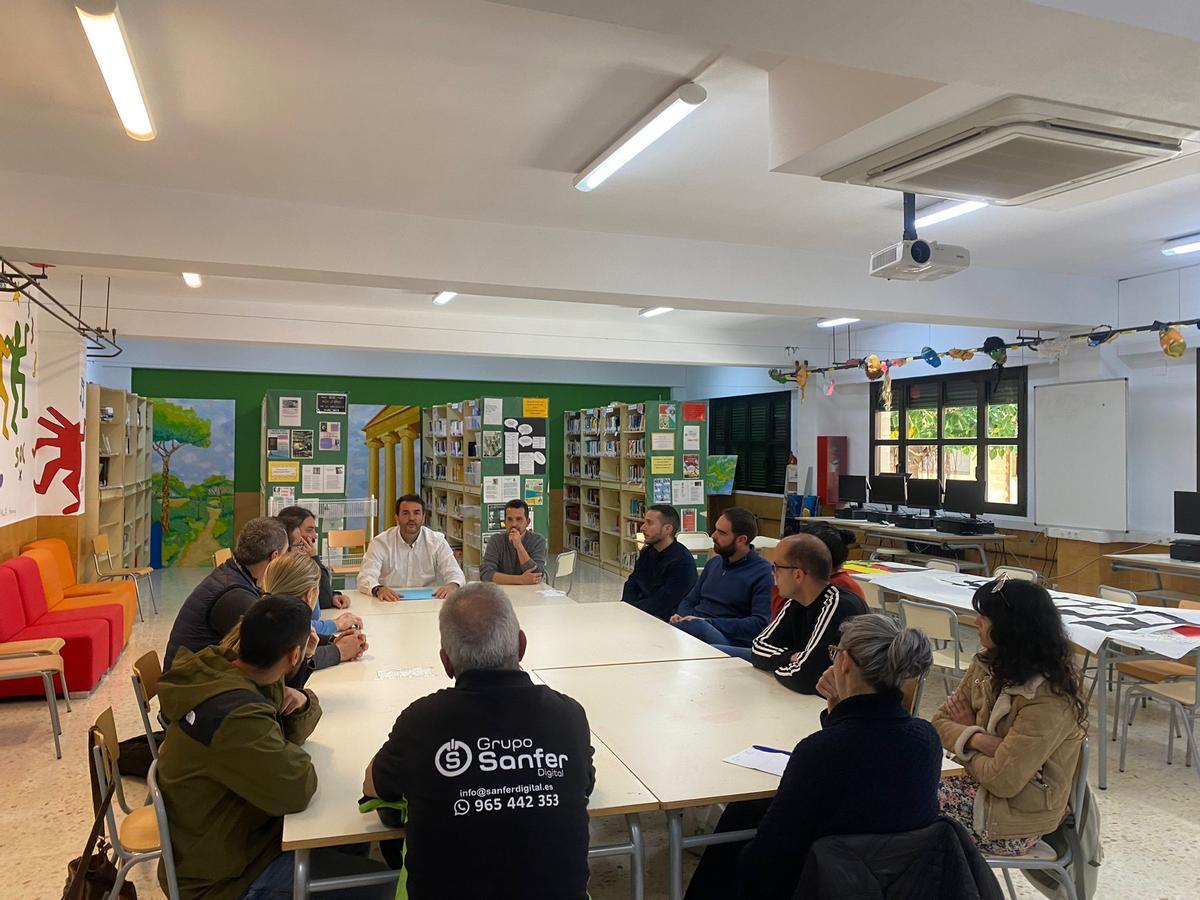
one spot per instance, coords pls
(962, 426)
(758, 429)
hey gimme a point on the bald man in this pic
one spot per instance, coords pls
(795, 645)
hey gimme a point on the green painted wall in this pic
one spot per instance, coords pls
(246, 389)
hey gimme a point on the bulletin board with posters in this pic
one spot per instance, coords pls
(514, 461)
(304, 447)
(677, 459)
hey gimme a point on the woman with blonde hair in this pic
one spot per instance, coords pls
(298, 575)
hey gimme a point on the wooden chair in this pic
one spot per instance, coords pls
(1182, 699)
(564, 567)
(943, 565)
(146, 673)
(940, 624)
(1015, 573)
(911, 693)
(38, 659)
(164, 831)
(101, 549)
(221, 557)
(345, 565)
(1149, 671)
(136, 838)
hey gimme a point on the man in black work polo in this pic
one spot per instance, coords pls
(496, 771)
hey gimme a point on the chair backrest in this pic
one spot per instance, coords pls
(100, 545)
(939, 623)
(29, 584)
(350, 537)
(873, 595)
(106, 725)
(1117, 595)
(222, 556)
(52, 585)
(146, 673)
(58, 549)
(164, 831)
(1016, 573)
(1189, 604)
(910, 691)
(1079, 789)
(942, 565)
(12, 611)
(564, 563)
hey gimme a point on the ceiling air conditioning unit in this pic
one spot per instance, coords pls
(1019, 150)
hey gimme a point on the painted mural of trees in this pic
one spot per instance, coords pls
(175, 427)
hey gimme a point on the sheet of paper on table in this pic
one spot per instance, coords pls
(772, 763)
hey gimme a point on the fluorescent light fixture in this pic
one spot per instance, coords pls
(673, 110)
(651, 311)
(834, 323)
(191, 279)
(946, 209)
(444, 297)
(1189, 243)
(105, 32)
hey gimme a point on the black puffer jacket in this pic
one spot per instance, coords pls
(937, 862)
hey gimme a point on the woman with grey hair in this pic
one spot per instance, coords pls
(871, 769)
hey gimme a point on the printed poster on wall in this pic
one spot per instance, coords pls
(662, 490)
(664, 442)
(691, 465)
(691, 437)
(687, 493)
(689, 519)
(330, 436)
(331, 404)
(694, 412)
(289, 412)
(279, 443)
(535, 491)
(302, 443)
(493, 444)
(521, 437)
(493, 411)
(662, 465)
(666, 417)
(535, 407)
(278, 470)
(56, 398)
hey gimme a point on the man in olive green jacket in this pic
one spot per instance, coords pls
(231, 765)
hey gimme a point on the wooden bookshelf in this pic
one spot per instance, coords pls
(119, 430)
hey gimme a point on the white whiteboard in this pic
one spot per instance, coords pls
(1079, 455)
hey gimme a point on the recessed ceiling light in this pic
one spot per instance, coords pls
(105, 32)
(191, 279)
(651, 311)
(682, 102)
(1189, 243)
(444, 297)
(946, 209)
(834, 323)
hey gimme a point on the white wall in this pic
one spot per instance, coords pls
(1162, 393)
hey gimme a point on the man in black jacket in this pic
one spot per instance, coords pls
(219, 601)
(795, 645)
(665, 569)
(496, 772)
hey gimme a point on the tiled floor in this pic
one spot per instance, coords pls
(1151, 813)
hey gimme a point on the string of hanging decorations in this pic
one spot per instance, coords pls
(1170, 338)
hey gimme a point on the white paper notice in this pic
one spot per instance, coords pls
(662, 441)
(539, 442)
(527, 464)
(493, 410)
(491, 490)
(312, 479)
(289, 412)
(510, 488)
(334, 479)
(691, 437)
(687, 493)
(510, 448)
(770, 761)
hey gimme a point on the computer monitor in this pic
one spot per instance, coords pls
(964, 496)
(925, 493)
(1187, 512)
(852, 488)
(889, 489)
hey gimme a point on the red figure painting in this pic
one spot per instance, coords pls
(67, 437)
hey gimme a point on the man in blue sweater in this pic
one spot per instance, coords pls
(731, 602)
(665, 569)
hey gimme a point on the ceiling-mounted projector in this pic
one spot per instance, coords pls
(919, 260)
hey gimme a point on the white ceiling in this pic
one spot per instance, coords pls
(387, 126)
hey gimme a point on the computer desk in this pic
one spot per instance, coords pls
(1158, 565)
(942, 539)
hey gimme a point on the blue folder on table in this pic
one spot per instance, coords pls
(415, 593)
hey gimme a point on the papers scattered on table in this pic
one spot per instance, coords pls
(773, 762)
(414, 672)
(551, 592)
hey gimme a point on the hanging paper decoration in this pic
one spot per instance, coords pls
(964, 355)
(830, 385)
(897, 363)
(1099, 335)
(1054, 348)
(1171, 340)
(801, 377)
(931, 356)
(873, 367)
(886, 391)
(995, 348)
(778, 376)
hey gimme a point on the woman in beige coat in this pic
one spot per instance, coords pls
(1016, 722)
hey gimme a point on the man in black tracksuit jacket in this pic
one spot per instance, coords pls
(795, 645)
(495, 772)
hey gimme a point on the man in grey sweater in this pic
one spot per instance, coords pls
(516, 555)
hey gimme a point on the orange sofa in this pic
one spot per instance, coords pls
(63, 593)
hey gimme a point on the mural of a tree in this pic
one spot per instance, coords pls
(174, 427)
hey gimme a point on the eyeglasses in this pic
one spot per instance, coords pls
(775, 567)
(834, 651)
(1001, 581)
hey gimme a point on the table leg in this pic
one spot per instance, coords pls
(300, 875)
(675, 854)
(1102, 666)
(637, 858)
(987, 569)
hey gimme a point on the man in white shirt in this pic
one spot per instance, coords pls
(409, 555)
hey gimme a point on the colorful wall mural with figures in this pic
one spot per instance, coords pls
(41, 414)
(193, 478)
